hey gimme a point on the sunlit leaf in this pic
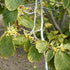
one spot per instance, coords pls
(62, 61)
(25, 21)
(12, 4)
(67, 46)
(66, 3)
(19, 40)
(42, 46)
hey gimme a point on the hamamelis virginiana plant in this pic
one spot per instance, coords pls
(41, 27)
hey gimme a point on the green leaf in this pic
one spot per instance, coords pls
(50, 36)
(34, 55)
(6, 46)
(42, 46)
(27, 45)
(1, 6)
(13, 4)
(9, 16)
(2, 1)
(67, 46)
(19, 40)
(49, 55)
(51, 64)
(65, 3)
(62, 61)
(54, 32)
(61, 37)
(1, 9)
(48, 25)
(25, 21)
(68, 7)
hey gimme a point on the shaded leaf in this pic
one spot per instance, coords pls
(6, 46)
(1, 9)
(34, 55)
(27, 46)
(1, 6)
(9, 16)
(49, 55)
(51, 64)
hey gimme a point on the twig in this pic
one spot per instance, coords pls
(31, 4)
(42, 37)
(28, 12)
(34, 20)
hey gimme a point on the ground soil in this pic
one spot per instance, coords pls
(18, 61)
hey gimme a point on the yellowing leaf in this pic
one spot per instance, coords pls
(34, 55)
(48, 25)
(42, 46)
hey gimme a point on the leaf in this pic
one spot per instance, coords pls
(61, 37)
(62, 61)
(19, 40)
(9, 16)
(51, 64)
(68, 7)
(66, 3)
(6, 46)
(1, 9)
(27, 46)
(42, 46)
(12, 4)
(50, 36)
(48, 25)
(25, 21)
(34, 55)
(67, 46)
(2, 1)
(54, 32)
(49, 55)
(1, 6)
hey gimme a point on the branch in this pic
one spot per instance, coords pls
(29, 13)
(47, 13)
(42, 37)
(63, 19)
(54, 22)
(34, 21)
(31, 4)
